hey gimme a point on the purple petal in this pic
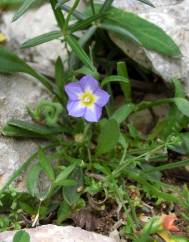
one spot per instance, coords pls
(102, 97)
(88, 83)
(93, 114)
(75, 109)
(73, 90)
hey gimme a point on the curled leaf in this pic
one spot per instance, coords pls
(48, 112)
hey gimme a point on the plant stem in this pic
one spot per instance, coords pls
(58, 14)
(92, 6)
(70, 14)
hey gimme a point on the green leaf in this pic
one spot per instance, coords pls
(24, 7)
(147, 2)
(123, 112)
(115, 28)
(183, 105)
(11, 63)
(179, 88)
(71, 194)
(183, 146)
(64, 212)
(33, 179)
(78, 15)
(126, 88)
(87, 71)
(21, 236)
(59, 75)
(87, 35)
(38, 40)
(46, 165)
(148, 34)
(107, 140)
(31, 128)
(79, 52)
(63, 175)
(61, 2)
(114, 79)
(106, 6)
(58, 14)
(83, 24)
(10, 3)
(27, 208)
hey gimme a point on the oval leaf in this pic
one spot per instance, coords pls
(21, 236)
(148, 34)
(64, 174)
(33, 178)
(123, 112)
(46, 165)
(107, 140)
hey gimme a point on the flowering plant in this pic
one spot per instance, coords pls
(96, 156)
(86, 99)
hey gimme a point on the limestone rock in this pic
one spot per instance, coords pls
(53, 233)
(16, 93)
(173, 17)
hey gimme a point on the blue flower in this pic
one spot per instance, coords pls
(86, 99)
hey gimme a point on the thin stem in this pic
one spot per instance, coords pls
(123, 155)
(168, 166)
(86, 129)
(150, 104)
(126, 163)
(129, 218)
(70, 14)
(92, 6)
(132, 208)
(58, 14)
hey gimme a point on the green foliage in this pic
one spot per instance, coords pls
(47, 112)
(145, 33)
(79, 51)
(10, 3)
(110, 160)
(108, 137)
(24, 7)
(147, 2)
(10, 63)
(21, 236)
(42, 39)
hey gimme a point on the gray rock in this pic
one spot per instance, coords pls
(16, 93)
(53, 233)
(173, 17)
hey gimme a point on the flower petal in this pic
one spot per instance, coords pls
(93, 114)
(168, 222)
(88, 83)
(73, 90)
(102, 97)
(75, 109)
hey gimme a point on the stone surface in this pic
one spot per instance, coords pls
(173, 17)
(53, 233)
(16, 93)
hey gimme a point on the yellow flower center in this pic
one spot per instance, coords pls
(87, 99)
